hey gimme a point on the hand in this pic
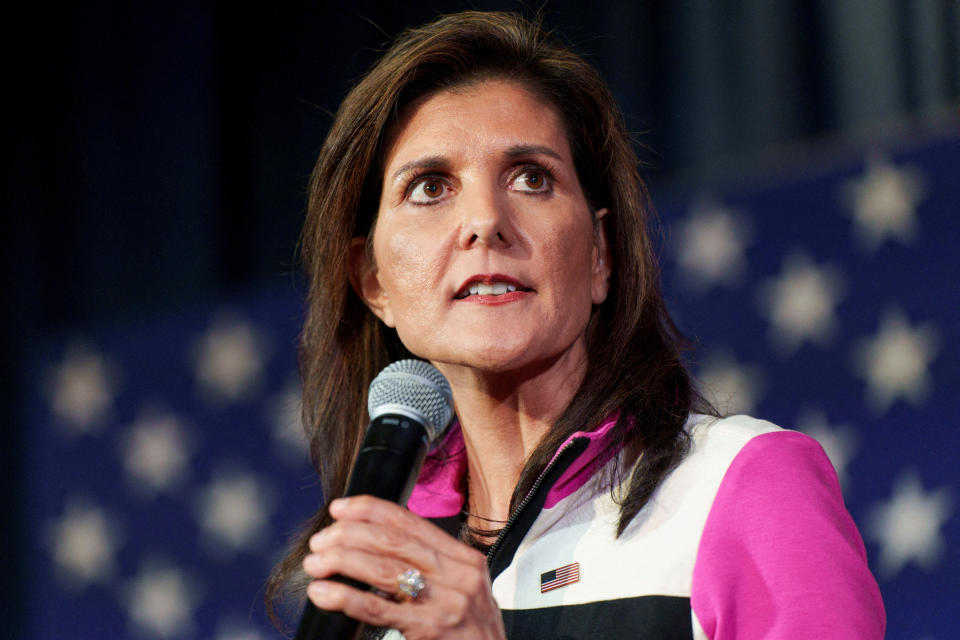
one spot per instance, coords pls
(374, 541)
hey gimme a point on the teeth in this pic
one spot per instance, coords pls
(490, 289)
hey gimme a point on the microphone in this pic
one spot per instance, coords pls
(410, 404)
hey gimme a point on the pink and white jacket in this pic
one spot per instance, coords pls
(747, 538)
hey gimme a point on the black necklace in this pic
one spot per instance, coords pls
(473, 515)
(466, 502)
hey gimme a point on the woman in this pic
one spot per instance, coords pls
(477, 205)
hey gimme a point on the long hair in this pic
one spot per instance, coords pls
(634, 350)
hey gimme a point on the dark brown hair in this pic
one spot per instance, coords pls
(633, 347)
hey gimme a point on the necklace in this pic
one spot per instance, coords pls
(466, 503)
(473, 515)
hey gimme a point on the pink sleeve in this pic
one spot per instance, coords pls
(780, 557)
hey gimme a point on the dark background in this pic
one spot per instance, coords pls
(158, 152)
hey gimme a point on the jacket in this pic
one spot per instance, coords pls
(747, 537)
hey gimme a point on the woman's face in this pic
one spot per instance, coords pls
(486, 254)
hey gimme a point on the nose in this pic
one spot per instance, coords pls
(486, 219)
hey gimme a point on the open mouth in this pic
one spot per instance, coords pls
(489, 287)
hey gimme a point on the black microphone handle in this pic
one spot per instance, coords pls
(316, 624)
(387, 467)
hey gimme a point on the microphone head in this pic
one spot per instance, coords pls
(416, 389)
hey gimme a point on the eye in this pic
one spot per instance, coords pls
(426, 190)
(531, 180)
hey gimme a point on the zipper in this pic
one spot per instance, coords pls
(526, 500)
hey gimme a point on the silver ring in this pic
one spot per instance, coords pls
(409, 585)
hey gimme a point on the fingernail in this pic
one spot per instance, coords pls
(317, 589)
(338, 504)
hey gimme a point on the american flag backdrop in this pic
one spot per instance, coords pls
(166, 464)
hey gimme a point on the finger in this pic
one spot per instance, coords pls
(374, 570)
(336, 552)
(360, 605)
(385, 540)
(377, 511)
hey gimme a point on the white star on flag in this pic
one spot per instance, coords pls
(161, 602)
(895, 363)
(229, 360)
(711, 246)
(801, 303)
(907, 528)
(233, 511)
(884, 202)
(732, 388)
(155, 453)
(83, 543)
(286, 420)
(235, 629)
(839, 442)
(81, 390)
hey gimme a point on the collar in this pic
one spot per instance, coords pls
(441, 486)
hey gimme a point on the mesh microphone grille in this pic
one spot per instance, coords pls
(415, 385)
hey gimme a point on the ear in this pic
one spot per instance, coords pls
(602, 260)
(365, 280)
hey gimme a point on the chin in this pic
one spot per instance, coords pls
(499, 360)
(522, 361)
(482, 355)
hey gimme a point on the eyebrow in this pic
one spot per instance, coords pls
(439, 162)
(429, 162)
(532, 150)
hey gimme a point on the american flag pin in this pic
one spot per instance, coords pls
(560, 577)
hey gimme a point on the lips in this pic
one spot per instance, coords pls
(489, 285)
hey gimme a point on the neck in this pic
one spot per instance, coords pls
(504, 416)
